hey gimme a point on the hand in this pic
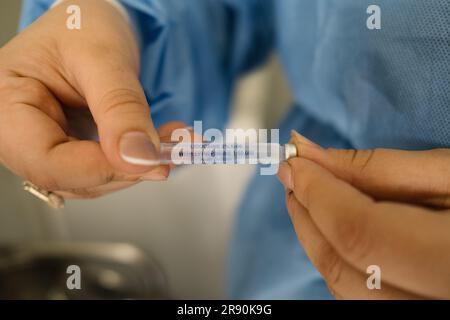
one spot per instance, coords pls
(421, 177)
(49, 78)
(345, 230)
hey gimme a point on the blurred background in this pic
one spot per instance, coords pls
(183, 225)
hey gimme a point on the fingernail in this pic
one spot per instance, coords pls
(297, 137)
(137, 148)
(285, 176)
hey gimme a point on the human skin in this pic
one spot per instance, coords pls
(50, 78)
(356, 208)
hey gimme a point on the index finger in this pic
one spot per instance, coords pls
(387, 174)
(35, 147)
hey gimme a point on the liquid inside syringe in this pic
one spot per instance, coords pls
(218, 153)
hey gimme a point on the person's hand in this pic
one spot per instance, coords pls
(52, 80)
(345, 230)
(421, 177)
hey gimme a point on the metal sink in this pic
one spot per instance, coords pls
(108, 271)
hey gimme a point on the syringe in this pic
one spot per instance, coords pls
(221, 153)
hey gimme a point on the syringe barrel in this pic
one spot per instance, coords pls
(218, 153)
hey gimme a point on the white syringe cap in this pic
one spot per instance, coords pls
(290, 151)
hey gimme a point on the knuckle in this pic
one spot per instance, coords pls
(121, 101)
(362, 158)
(34, 92)
(354, 163)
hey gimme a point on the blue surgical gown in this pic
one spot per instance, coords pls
(353, 87)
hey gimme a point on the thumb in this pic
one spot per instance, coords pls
(121, 112)
(386, 174)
